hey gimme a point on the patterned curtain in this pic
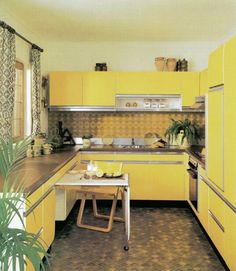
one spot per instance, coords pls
(36, 85)
(7, 79)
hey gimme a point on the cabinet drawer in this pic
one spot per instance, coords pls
(216, 221)
(217, 207)
(216, 232)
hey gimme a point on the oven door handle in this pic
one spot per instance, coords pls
(192, 173)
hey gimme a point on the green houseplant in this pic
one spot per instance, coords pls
(16, 244)
(180, 132)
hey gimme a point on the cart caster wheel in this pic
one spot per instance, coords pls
(126, 248)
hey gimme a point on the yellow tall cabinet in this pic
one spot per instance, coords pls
(99, 88)
(215, 67)
(230, 120)
(215, 136)
(203, 87)
(65, 88)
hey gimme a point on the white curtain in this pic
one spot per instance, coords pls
(7, 79)
(36, 86)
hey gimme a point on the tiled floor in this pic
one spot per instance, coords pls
(162, 239)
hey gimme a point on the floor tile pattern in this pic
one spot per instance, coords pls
(162, 239)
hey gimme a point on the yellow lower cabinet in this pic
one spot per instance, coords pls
(151, 177)
(230, 238)
(216, 221)
(49, 205)
(34, 218)
(203, 203)
(164, 181)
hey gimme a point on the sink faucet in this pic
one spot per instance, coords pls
(132, 142)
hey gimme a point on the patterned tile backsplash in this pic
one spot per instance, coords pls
(118, 124)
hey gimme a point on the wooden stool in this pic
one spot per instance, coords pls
(100, 191)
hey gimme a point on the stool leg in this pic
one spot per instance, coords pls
(97, 215)
(81, 210)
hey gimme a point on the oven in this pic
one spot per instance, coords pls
(193, 182)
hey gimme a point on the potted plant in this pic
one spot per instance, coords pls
(17, 246)
(86, 141)
(183, 133)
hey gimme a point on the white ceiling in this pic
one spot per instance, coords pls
(127, 20)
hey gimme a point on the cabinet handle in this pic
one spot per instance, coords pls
(125, 162)
(31, 209)
(216, 221)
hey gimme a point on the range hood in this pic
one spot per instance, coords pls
(140, 103)
(145, 102)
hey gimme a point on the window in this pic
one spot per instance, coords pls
(18, 112)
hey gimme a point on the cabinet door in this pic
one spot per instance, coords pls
(49, 205)
(215, 138)
(99, 88)
(65, 88)
(230, 121)
(189, 87)
(203, 82)
(34, 219)
(156, 181)
(215, 67)
(216, 221)
(148, 83)
(230, 238)
(203, 203)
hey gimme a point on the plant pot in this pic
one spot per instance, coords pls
(160, 63)
(86, 143)
(185, 144)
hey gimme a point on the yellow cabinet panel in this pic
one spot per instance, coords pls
(49, 205)
(203, 203)
(230, 238)
(186, 84)
(230, 121)
(99, 88)
(65, 88)
(216, 221)
(156, 182)
(215, 67)
(148, 83)
(152, 177)
(189, 87)
(203, 82)
(215, 138)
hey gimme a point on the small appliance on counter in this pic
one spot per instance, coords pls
(65, 135)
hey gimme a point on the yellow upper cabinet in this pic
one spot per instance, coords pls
(230, 120)
(148, 83)
(189, 87)
(99, 88)
(215, 121)
(65, 88)
(215, 67)
(183, 83)
(203, 82)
